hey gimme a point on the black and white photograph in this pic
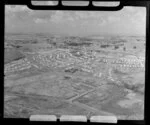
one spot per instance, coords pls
(74, 63)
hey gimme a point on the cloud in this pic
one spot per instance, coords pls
(15, 8)
(112, 19)
(57, 17)
(87, 15)
(102, 22)
(16, 14)
(21, 16)
(139, 21)
(42, 14)
(37, 20)
(62, 17)
(130, 9)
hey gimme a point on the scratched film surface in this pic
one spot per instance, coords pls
(74, 63)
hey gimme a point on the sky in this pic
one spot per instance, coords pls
(128, 21)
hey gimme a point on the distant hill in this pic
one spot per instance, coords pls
(12, 54)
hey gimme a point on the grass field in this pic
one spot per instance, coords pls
(74, 76)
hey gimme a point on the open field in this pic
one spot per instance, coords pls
(45, 74)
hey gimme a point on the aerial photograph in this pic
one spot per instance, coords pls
(89, 63)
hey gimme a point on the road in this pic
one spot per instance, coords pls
(86, 107)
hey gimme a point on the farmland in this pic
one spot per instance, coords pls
(48, 74)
